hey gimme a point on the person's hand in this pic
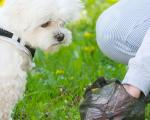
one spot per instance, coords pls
(132, 90)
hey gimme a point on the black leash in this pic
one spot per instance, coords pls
(8, 34)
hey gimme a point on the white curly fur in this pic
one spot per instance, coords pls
(24, 18)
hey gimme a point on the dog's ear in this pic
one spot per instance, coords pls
(2, 2)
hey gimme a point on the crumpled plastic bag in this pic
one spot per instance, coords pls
(99, 103)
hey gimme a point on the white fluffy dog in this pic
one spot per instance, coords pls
(24, 23)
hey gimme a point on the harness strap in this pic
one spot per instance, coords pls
(10, 35)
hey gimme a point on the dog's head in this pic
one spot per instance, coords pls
(41, 23)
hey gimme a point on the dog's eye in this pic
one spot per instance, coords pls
(46, 24)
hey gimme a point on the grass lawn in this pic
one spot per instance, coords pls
(56, 85)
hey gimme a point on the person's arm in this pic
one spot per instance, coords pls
(138, 74)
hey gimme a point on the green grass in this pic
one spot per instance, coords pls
(56, 85)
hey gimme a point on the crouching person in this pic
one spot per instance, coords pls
(123, 34)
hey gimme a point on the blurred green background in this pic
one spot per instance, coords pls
(56, 85)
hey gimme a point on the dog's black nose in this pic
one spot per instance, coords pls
(60, 37)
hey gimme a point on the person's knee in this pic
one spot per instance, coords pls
(108, 43)
(103, 37)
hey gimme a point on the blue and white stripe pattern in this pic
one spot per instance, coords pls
(122, 27)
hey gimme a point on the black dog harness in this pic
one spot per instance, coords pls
(10, 35)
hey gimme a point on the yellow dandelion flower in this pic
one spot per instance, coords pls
(89, 49)
(2, 2)
(60, 72)
(111, 1)
(88, 35)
